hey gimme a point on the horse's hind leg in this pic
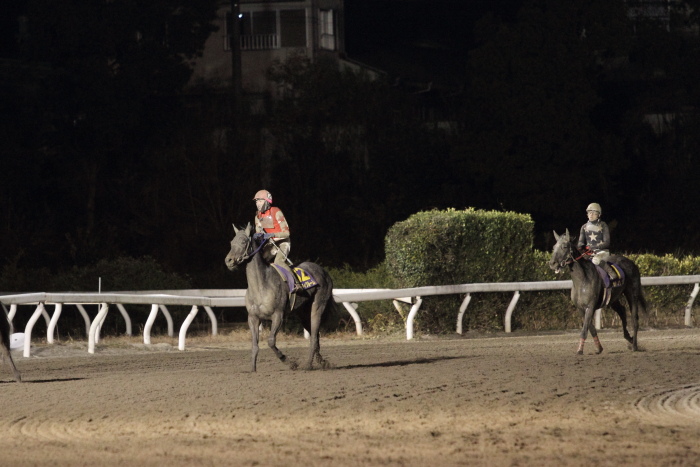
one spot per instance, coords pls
(314, 331)
(596, 341)
(622, 313)
(6, 355)
(272, 341)
(634, 301)
(5, 346)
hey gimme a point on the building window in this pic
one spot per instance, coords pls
(258, 30)
(293, 28)
(327, 29)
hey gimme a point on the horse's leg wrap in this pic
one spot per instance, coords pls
(598, 344)
(580, 346)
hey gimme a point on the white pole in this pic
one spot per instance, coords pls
(94, 327)
(149, 324)
(52, 324)
(689, 306)
(28, 329)
(462, 309)
(509, 311)
(352, 309)
(411, 316)
(185, 326)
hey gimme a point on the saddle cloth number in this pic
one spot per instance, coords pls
(302, 275)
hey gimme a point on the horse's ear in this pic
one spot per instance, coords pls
(234, 228)
(567, 233)
(247, 229)
(556, 235)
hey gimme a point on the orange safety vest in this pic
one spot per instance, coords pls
(269, 218)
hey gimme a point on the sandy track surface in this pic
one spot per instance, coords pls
(515, 400)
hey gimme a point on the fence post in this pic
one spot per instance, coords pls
(462, 309)
(689, 306)
(509, 311)
(411, 316)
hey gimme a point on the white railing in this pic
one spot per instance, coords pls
(259, 42)
(209, 298)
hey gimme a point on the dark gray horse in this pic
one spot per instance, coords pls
(5, 344)
(588, 289)
(267, 296)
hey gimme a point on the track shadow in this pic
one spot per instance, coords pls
(56, 380)
(415, 361)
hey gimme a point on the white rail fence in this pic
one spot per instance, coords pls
(210, 298)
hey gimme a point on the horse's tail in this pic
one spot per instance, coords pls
(642, 303)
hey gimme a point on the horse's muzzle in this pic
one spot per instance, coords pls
(232, 263)
(556, 267)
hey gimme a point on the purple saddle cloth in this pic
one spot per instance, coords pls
(606, 278)
(303, 277)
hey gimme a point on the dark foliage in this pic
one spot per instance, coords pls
(562, 104)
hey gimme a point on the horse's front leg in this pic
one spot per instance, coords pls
(254, 325)
(594, 334)
(272, 340)
(587, 321)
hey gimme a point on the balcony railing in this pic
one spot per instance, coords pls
(259, 42)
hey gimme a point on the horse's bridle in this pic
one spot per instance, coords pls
(248, 253)
(569, 257)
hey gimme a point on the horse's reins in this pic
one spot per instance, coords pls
(250, 255)
(571, 258)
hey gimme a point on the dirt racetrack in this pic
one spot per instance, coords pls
(475, 400)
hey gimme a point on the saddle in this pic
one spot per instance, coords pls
(610, 284)
(303, 277)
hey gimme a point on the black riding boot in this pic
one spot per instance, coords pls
(611, 272)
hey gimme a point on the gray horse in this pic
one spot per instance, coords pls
(5, 344)
(588, 289)
(267, 297)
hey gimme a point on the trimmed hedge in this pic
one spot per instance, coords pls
(451, 247)
(456, 247)
(473, 246)
(666, 304)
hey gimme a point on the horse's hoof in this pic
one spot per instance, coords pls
(579, 352)
(293, 365)
(599, 351)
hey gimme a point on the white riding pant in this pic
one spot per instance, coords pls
(601, 255)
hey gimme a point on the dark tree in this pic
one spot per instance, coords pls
(108, 75)
(352, 159)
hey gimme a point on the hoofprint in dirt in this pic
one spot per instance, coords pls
(503, 400)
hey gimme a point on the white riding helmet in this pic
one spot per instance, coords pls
(594, 207)
(263, 195)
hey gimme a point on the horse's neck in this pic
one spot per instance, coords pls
(257, 271)
(581, 269)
